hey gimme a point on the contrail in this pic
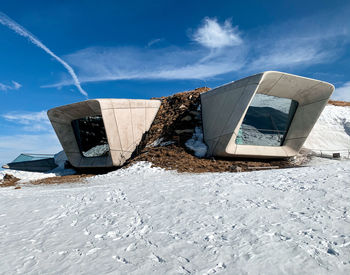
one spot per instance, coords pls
(8, 22)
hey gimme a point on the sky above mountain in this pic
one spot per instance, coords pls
(59, 52)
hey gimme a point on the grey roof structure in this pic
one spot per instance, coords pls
(32, 163)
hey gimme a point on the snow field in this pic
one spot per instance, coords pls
(144, 220)
(331, 133)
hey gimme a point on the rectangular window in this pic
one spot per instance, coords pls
(267, 121)
(91, 136)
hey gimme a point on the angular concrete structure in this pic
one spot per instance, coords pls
(32, 163)
(267, 115)
(102, 132)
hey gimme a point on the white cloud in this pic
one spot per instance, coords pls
(15, 86)
(320, 38)
(292, 45)
(213, 35)
(106, 64)
(30, 121)
(342, 93)
(37, 136)
(290, 53)
(154, 41)
(8, 22)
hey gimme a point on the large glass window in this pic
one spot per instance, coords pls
(91, 136)
(267, 121)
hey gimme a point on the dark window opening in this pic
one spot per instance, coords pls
(91, 136)
(267, 121)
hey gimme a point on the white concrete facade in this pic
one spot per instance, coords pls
(125, 122)
(224, 108)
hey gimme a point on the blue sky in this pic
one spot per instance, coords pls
(59, 52)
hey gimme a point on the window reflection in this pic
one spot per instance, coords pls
(91, 136)
(267, 121)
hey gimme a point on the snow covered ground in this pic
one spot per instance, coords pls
(144, 220)
(331, 133)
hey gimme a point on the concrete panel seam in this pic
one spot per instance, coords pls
(130, 108)
(274, 83)
(294, 138)
(132, 124)
(144, 121)
(314, 102)
(123, 151)
(284, 149)
(116, 123)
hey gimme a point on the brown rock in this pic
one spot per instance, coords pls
(186, 118)
(236, 168)
(195, 113)
(9, 177)
(170, 124)
(189, 131)
(9, 180)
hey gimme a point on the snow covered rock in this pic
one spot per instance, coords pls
(196, 143)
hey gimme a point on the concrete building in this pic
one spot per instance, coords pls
(102, 132)
(267, 115)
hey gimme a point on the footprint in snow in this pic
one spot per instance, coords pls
(217, 268)
(92, 251)
(332, 251)
(183, 270)
(156, 258)
(112, 234)
(131, 247)
(183, 260)
(120, 259)
(99, 236)
(144, 230)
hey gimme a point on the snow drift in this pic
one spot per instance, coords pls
(331, 133)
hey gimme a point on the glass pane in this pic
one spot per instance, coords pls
(267, 121)
(91, 136)
(30, 157)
